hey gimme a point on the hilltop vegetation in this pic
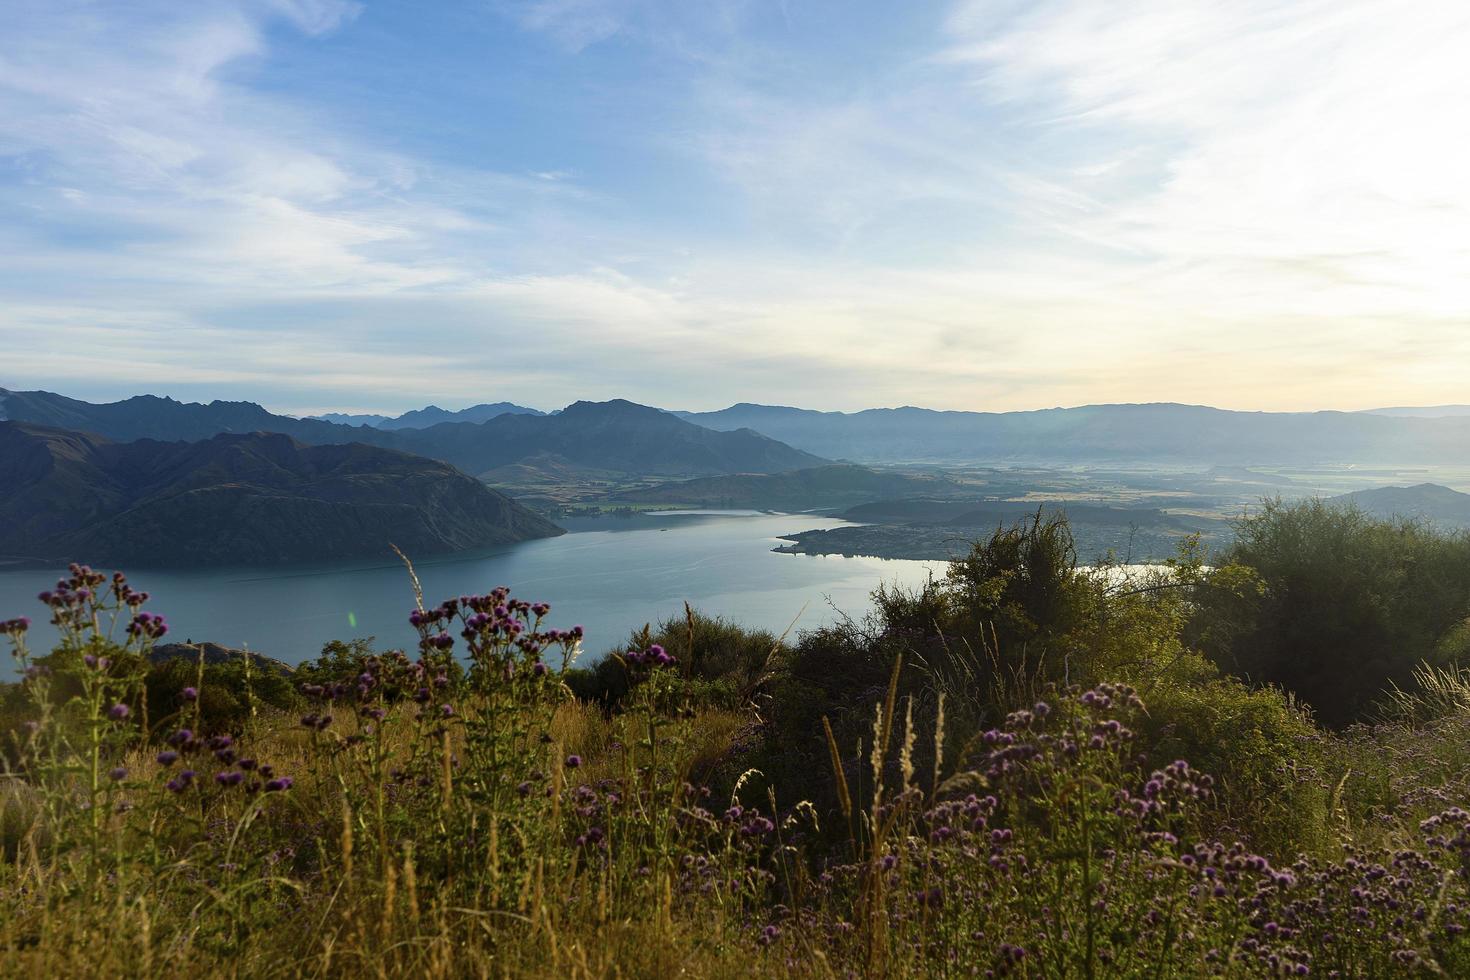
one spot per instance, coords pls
(1022, 769)
(238, 500)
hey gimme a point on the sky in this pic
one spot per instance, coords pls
(323, 205)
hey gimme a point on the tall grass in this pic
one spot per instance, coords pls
(457, 811)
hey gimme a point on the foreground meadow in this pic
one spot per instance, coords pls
(1021, 770)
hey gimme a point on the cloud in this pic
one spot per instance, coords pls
(988, 205)
(1285, 157)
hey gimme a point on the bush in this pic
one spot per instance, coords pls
(1267, 757)
(722, 664)
(1350, 606)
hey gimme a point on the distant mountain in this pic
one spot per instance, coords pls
(1427, 501)
(1105, 432)
(432, 415)
(1425, 412)
(839, 485)
(615, 435)
(237, 499)
(337, 418)
(152, 417)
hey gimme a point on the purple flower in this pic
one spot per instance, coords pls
(118, 712)
(190, 694)
(573, 761)
(167, 757)
(229, 778)
(278, 784)
(117, 774)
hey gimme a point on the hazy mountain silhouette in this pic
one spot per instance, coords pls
(1423, 412)
(253, 498)
(1427, 501)
(1104, 432)
(422, 418)
(615, 435)
(338, 418)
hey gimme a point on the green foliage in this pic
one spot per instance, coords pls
(722, 664)
(229, 695)
(1258, 743)
(1350, 604)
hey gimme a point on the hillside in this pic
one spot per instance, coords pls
(838, 485)
(1105, 432)
(237, 499)
(1427, 501)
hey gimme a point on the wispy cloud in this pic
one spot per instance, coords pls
(973, 204)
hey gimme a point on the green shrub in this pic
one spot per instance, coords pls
(1258, 743)
(1351, 604)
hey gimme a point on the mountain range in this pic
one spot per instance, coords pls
(1165, 431)
(237, 499)
(622, 437)
(616, 435)
(430, 415)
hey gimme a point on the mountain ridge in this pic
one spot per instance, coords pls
(1150, 430)
(238, 498)
(613, 435)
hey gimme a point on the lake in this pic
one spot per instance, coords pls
(609, 574)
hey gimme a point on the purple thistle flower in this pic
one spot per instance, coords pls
(190, 694)
(118, 712)
(117, 774)
(167, 757)
(278, 784)
(573, 761)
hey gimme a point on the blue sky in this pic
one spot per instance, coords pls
(324, 205)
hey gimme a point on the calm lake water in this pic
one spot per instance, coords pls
(610, 574)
